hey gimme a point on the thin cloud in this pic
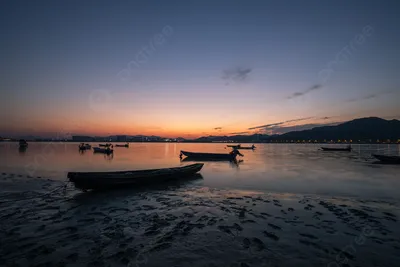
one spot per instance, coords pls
(298, 94)
(239, 133)
(218, 128)
(238, 74)
(367, 97)
(278, 123)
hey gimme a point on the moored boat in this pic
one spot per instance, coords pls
(105, 145)
(246, 147)
(234, 146)
(107, 150)
(215, 156)
(23, 143)
(124, 145)
(387, 159)
(106, 180)
(348, 148)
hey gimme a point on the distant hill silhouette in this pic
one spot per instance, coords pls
(359, 129)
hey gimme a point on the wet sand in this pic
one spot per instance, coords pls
(41, 224)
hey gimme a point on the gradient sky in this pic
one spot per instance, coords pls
(192, 68)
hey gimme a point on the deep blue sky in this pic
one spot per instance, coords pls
(229, 64)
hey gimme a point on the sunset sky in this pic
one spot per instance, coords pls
(193, 68)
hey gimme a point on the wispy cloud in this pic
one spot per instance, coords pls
(240, 133)
(370, 96)
(218, 128)
(278, 123)
(236, 74)
(298, 94)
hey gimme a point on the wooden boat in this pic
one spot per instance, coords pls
(209, 156)
(23, 143)
(387, 159)
(247, 147)
(125, 145)
(107, 150)
(83, 146)
(105, 145)
(348, 148)
(106, 180)
(235, 146)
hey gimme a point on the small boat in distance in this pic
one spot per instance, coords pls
(387, 159)
(125, 145)
(23, 143)
(348, 148)
(211, 156)
(105, 145)
(107, 180)
(107, 150)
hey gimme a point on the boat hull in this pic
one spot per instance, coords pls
(208, 156)
(387, 159)
(107, 180)
(336, 149)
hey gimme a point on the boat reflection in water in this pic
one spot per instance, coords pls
(22, 149)
(233, 163)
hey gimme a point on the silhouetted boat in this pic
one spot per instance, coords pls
(233, 145)
(125, 145)
(209, 156)
(83, 146)
(348, 148)
(23, 143)
(107, 150)
(107, 180)
(246, 147)
(388, 159)
(105, 145)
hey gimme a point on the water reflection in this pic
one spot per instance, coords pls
(233, 163)
(22, 150)
(272, 167)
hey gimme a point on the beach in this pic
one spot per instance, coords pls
(45, 223)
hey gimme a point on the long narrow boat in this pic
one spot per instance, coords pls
(125, 145)
(233, 145)
(209, 156)
(348, 149)
(247, 147)
(106, 180)
(105, 145)
(388, 159)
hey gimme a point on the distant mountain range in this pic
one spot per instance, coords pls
(360, 129)
(363, 129)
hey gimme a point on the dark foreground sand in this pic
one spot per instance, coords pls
(189, 225)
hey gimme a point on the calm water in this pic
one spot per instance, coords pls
(271, 167)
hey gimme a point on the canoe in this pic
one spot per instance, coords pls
(126, 145)
(106, 180)
(348, 149)
(103, 150)
(388, 159)
(209, 156)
